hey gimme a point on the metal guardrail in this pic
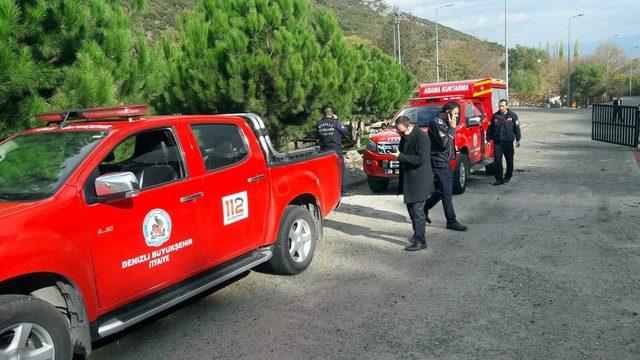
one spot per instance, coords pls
(615, 124)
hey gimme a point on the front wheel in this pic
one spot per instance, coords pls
(377, 185)
(32, 329)
(296, 242)
(461, 174)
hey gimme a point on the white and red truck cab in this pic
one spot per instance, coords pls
(478, 100)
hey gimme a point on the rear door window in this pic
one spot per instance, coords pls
(221, 145)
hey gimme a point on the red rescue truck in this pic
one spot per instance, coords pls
(108, 217)
(478, 100)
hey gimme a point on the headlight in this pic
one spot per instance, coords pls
(372, 146)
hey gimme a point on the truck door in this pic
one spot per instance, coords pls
(237, 188)
(474, 134)
(484, 126)
(153, 239)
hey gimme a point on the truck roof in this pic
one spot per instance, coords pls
(459, 89)
(106, 118)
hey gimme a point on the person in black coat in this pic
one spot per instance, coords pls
(416, 177)
(442, 130)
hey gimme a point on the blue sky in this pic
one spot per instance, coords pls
(531, 22)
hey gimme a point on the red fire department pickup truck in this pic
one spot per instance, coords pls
(108, 217)
(478, 100)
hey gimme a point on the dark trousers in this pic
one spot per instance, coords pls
(444, 191)
(418, 221)
(505, 149)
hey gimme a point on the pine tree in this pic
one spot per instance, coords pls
(576, 50)
(70, 53)
(276, 58)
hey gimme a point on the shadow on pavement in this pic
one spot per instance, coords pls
(357, 230)
(370, 212)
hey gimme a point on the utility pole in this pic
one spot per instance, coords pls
(506, 50)
(398, 30)
(437, 43)
(569, 61)
(608, 60)
(631, 63)
(395, 46)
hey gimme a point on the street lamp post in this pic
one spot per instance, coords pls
(506, 50)
(569, 61)
(437, 43)
(631, 63)
(606, 83)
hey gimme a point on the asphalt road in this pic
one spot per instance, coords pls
(549, 269)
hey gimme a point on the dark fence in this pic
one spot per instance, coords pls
(615, 124)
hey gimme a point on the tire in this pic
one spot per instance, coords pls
(490, 169)
(461, 174)
(296, 227)
(377, 185)
(48, 329)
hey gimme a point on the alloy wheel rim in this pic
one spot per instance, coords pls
(463, 174)
(300, 240)
(26, 341)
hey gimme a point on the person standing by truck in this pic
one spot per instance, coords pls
(504, 128)
(441, 132)
(330, 132)
(416, 177)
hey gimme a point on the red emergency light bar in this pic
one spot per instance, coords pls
(124, 112)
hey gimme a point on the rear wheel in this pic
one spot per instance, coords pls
(377, 185)
(296, 242)
(461, 174)
(32, 329)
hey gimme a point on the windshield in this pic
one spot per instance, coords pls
(34, 166)
(422, 115)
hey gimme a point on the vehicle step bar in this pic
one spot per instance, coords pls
(480, 165)
(147, 307)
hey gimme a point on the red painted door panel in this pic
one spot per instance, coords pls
(237, 189)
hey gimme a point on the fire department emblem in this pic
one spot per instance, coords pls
(156, 227)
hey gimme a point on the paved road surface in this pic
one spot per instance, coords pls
(549, 269)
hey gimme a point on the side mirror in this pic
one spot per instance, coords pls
(474, 120)
(117, 185)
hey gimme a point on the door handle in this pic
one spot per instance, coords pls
(255, 178)
(191, 197)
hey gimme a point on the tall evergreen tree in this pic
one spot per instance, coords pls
(272, 57)
(69, 53)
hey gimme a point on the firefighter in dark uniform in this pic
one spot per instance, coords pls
(504, 128)
(330, 132)
(441, 132)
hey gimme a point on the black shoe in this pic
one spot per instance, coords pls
(416, 246)
(456, 226)
(507, 180)
(498, 183)
(427, 219)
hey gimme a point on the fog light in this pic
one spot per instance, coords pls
(368, 162)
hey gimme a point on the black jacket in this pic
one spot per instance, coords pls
(416, 174)
(504, 128)
(442, 144)
(330, 132)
